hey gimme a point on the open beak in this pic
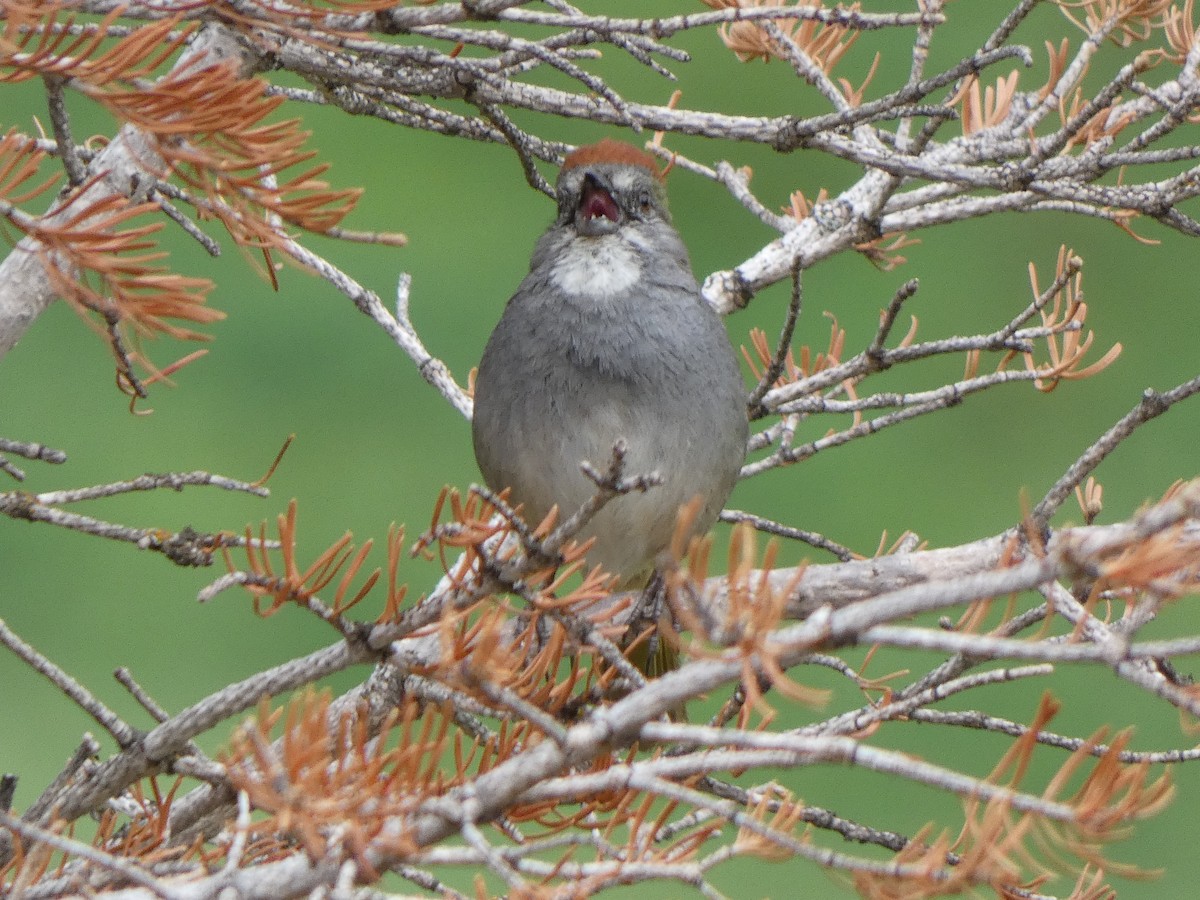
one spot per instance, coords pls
(598, 212)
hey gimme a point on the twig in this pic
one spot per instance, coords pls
(60, 121)
(782, 347)
(520, 142)
(174, 481)
(28, 450)
(812, 538)
(121, 732)
(1152, 405)
(115, 864)
(8, 790)
(40, 809)
(126, 679)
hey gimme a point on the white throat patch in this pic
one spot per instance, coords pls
(596, 267)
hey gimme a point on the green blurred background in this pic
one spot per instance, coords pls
(374, 444)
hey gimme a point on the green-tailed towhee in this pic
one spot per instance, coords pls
(608, 339)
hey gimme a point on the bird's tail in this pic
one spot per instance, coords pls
(657, 653)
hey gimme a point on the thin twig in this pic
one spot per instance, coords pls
(116, 864)
(1152, 405)
(122, 733)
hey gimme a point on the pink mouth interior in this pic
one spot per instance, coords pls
(598, 202)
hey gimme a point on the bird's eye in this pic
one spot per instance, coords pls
(645, 202)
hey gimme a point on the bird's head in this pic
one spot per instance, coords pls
(605, 187)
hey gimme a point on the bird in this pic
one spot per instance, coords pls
(609, 341)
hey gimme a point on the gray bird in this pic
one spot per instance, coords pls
(608, 339)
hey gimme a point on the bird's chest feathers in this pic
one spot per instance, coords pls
(596, 267)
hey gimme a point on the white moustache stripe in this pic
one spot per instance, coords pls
(596, 267)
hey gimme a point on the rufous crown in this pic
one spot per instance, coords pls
(610, 151)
